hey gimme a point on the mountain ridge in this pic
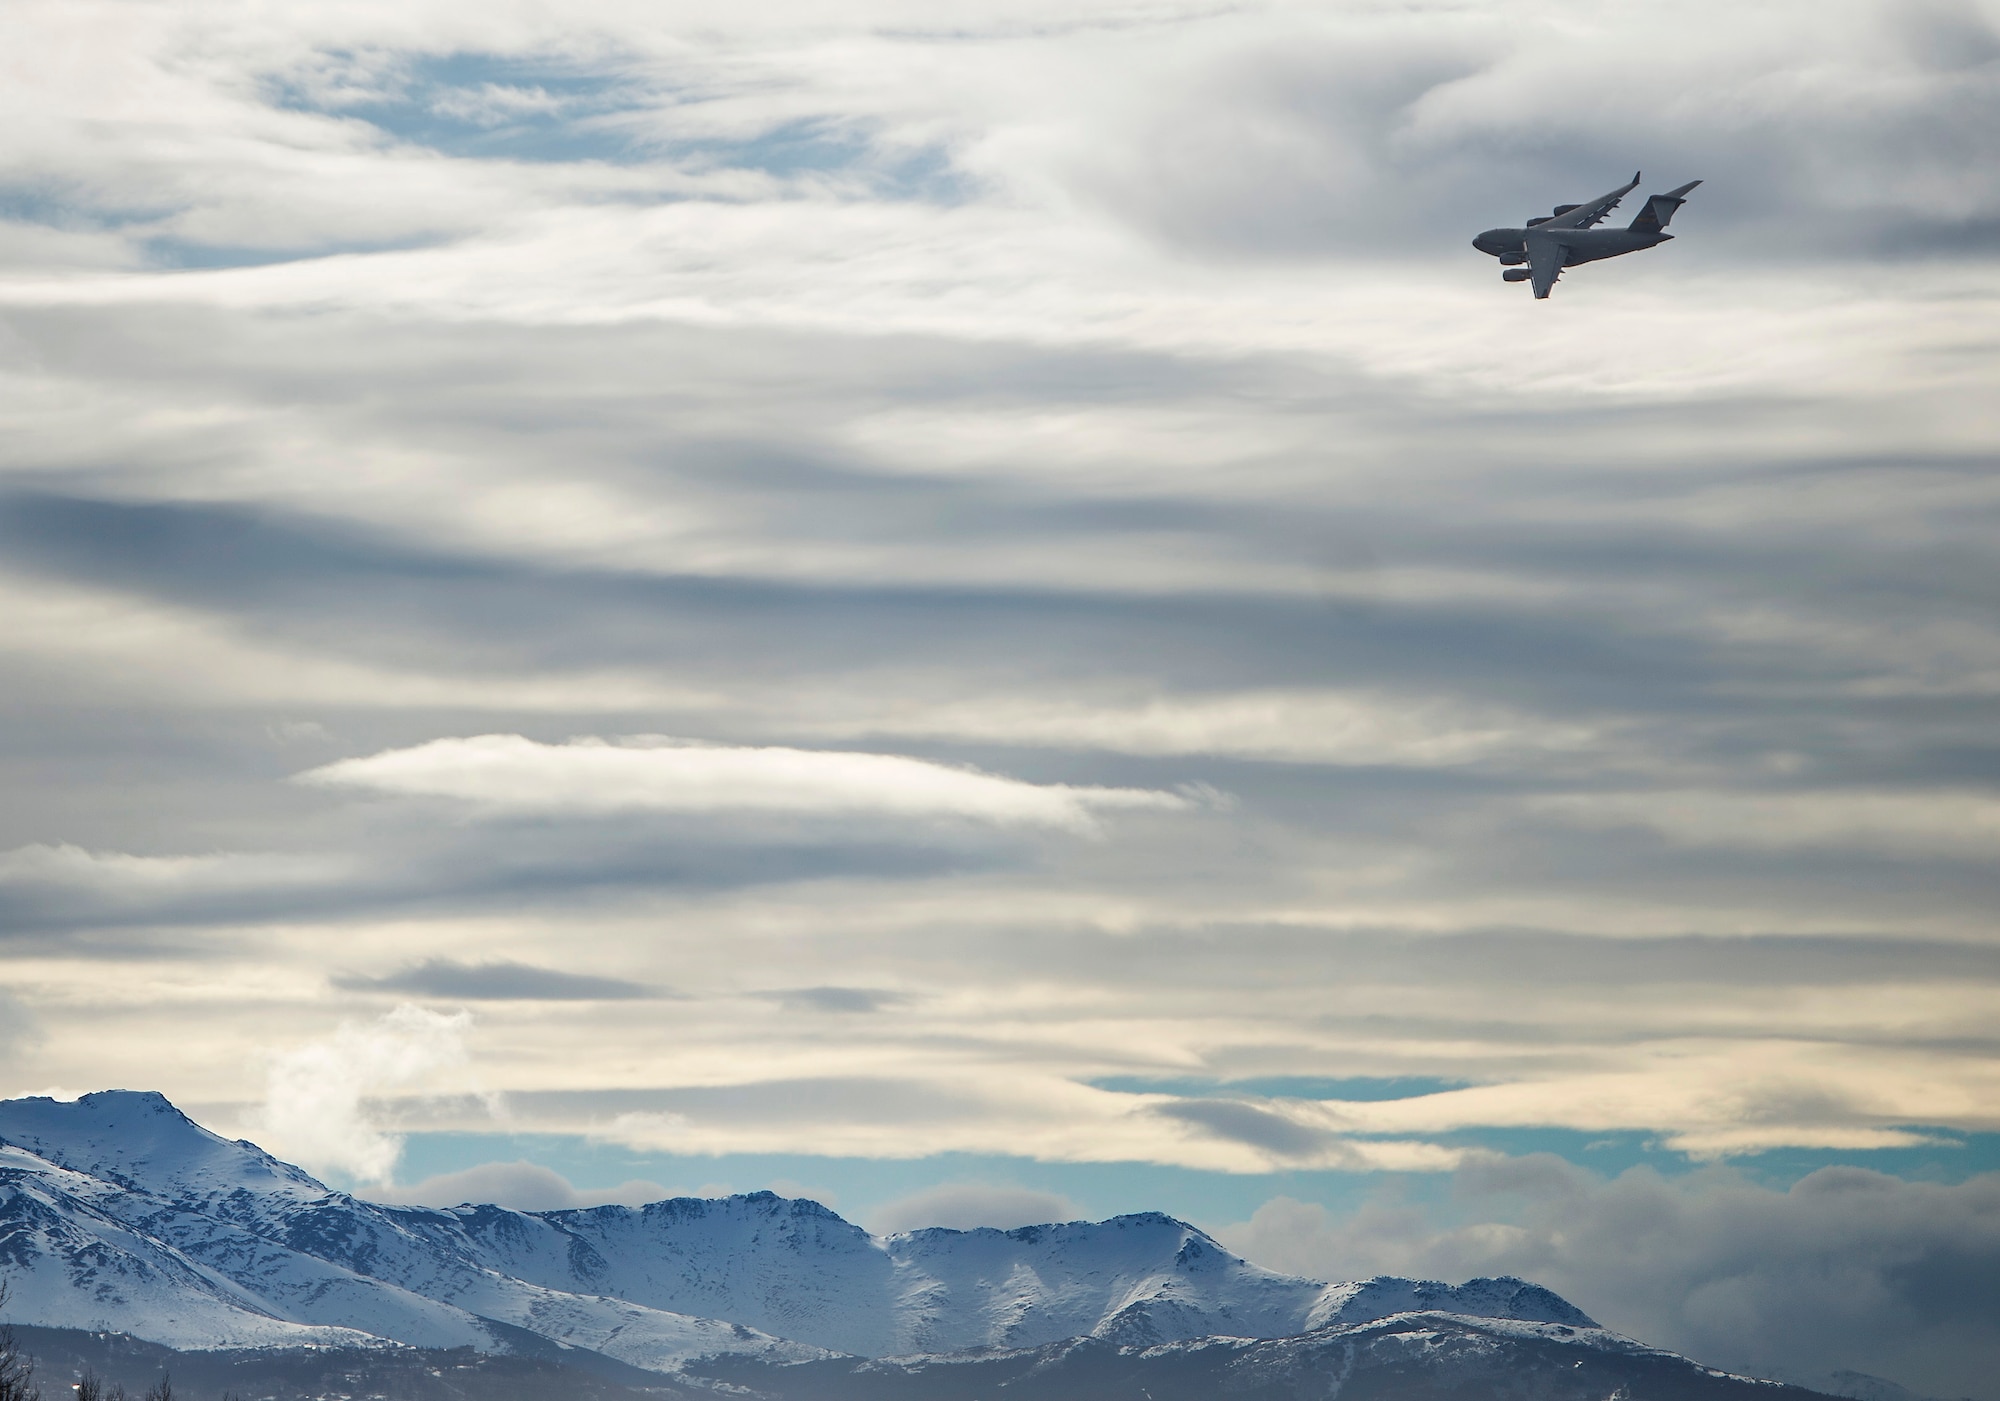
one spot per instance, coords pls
(651, 1285)
(123, 1216)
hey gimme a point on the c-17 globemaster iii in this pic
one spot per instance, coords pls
(1568, 236)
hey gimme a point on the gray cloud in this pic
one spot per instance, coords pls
(1315, 143)
(835, 999)
(499, 980)
(521, 1185)
(18, 1027)
(1606, 687)
(1246, 1123)
(1847, 1269)
(966, 1206)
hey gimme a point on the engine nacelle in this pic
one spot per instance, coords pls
(1512, 260)
(1516, 275)
(1563, 209)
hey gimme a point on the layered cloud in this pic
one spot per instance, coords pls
(966, 1206)
(496, 980)
(1847, 1269)
(521, 1185)
(512, 776)
(1060, 422)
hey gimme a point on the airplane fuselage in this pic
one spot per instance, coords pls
(1510, 246)
(1569, 235)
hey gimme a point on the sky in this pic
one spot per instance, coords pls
(983, 611)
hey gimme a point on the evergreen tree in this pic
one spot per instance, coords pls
(17, 1369)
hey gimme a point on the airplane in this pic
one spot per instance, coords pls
(1568, 236)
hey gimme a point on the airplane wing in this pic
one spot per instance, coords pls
(1586, 215)
(1545, 260)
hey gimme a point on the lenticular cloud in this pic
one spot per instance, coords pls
(513, 775)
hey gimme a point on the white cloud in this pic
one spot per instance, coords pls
(1331, 727)
(965, 1206)
(1938, 821)
(120, 874)
(508, 774)
(1848, 1268)
(316, 1109)
(522, 1185)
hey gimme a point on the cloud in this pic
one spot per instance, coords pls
(54, 886)
(1297, 138)
(1276, 1134)
(1303, 1134)
(521, 1185)
(497, 981)
(1086, 403)
(1847, 1268)
(316, 1104)
(967, 1206)
(1327, 726)
(835, 999)
(507, 774)
(19, 1028)
(117, 874)
(1939, 822)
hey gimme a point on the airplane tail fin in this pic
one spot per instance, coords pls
(1660, 209)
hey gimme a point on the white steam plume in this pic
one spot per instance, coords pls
(315, 1106)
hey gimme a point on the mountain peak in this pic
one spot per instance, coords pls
(1365, 1301)
(124, 1177)
(139, 1139)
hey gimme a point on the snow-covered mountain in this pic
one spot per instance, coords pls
(119, 1214)
(1416, 1356)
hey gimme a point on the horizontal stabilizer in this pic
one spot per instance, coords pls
(1660, 209)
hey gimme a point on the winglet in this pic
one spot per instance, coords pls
(1660, 208)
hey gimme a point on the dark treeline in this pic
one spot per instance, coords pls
(73, 1364)
(18, 1381)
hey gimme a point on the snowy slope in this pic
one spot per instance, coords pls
(1427, 1356)
(219, 1244)
(1143, 1278)
(1385, 1296)
(796, 1269)
(791, 1268)
(70, 1264)
(155, 1227)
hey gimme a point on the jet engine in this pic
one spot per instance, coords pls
(1517, 274)
(1512, 260)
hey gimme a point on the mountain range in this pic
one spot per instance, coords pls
(119, 1216)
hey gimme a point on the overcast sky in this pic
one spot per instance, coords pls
(985, 611)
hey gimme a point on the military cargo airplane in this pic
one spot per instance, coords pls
(1569, 236)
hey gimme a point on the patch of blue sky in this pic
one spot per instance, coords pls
(818, 147)
(859, 1187)
(1947, 1157)
(1359, 1089)
(192, 255)
(53, 208)
(50, 208)
(494, 107)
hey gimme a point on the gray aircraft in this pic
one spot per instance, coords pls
(1569, 236)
